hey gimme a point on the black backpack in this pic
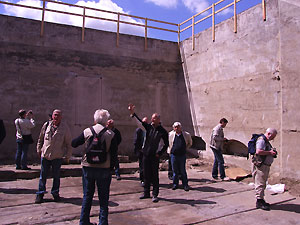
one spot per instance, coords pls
(96, 149)
(252, 144)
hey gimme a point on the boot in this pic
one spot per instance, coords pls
(39, 199)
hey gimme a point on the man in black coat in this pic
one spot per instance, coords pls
(111, 126)
(139, 139)
(2, 131)
(151, 152)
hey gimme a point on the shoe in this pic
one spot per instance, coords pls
(154, 199)
(186, 188)
(267, 204)
(26, 168)
(261, 204)
(225, 179)
(118, 177)
(174, 187)
(39, 199)
(216, 178)
(144, 196)
(56, 198)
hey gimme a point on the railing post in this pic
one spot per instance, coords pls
(43, 18)
(118, 29)
(263, 3)
(145, 34)
(193, 32)
(83, 25)
(235, 17)
(213, 22)
(178, 35)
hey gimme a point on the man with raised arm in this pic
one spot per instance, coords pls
(151, 152)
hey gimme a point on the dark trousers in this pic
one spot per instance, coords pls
(151, 165)
(141, 168)
(178, 165)
(117, 167)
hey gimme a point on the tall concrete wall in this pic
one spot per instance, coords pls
(59, 71)
(250, 77)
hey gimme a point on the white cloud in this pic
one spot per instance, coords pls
(164, 3)
(225, 12)
(77, 20)
(196, 6)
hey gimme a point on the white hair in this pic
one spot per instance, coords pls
(176, 124)
(271, 131)
(101, 116)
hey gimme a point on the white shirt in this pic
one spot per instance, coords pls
(23, 127)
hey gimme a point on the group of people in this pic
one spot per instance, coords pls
(55, 144)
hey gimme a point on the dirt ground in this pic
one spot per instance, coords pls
(292, 186)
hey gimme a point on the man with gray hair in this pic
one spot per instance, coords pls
(53, 145)
(179, 142)
(98, 172)
(262, 161)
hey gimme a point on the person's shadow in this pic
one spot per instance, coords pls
(17, 191)
(286, 207)
(78, 201)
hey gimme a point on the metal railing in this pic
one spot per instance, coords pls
(212, 15)
(118, 21)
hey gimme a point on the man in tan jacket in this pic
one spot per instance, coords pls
(179, 142)
(53, 145)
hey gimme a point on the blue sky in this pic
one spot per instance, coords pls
(175, 11)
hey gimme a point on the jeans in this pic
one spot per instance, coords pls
(102, 177)
(178, 165)
(218, 163)
(45, 167)
(21, 154)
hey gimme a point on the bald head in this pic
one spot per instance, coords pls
(271, 133)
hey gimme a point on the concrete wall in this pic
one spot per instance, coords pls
(59, 71)
(250, 77)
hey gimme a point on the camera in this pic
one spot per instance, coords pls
(274, 150)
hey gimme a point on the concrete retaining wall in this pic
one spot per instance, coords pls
(59, 71)
(250, 77)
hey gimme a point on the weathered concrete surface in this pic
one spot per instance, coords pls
(208, 202)
(251, 78)
(59, 71)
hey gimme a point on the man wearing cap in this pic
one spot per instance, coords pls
(179, 142)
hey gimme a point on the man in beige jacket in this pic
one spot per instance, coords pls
(53, 145)
(179, 142)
